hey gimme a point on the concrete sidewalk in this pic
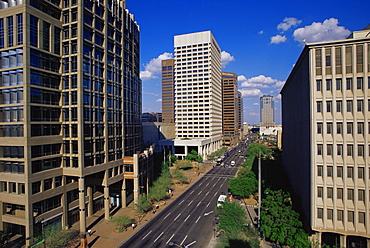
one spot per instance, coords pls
(103, 231)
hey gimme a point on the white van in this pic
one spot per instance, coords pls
(232, 163)
(221, 199)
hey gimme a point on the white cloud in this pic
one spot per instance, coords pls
(253, 114)
(288, 22)
(325, 31)
(251, 92)
(256, 104)
(278, 96)
(154, 67)
(261, 32)
(278, 39)
(159, 100)
(226, 58)
(150, 93)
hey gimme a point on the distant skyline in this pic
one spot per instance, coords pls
(260, 41)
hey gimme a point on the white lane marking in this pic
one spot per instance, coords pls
(206, 214)
(192, 192)
(184, 240)
(208, 204)
(190, 203)
(146, 235)
(207, 184)
(181, 202)
(200, 184)
(191, 243)
(170, 239)
(166, 216)
(177, 217)
(187, 218)
(207, 192)
(199, 203)
(197, 219)
(214, 185)
(200, 192)
(221, 185)
(158, 237)
(215, 193)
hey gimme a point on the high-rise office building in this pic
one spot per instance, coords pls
(267, 110)
(326, 126)
(198, 94)
(168, 91)
(240, 112)
(230, 108)
(70, 112)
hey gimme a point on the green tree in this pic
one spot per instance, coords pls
(122, 221)
(143, 204)
(232, 218)
(279, 222)
(255, 149)
(56, 238)
(171, 159)
(193, 156)
(244, 186)
(179, 175)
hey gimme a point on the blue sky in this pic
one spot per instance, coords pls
(260, 40)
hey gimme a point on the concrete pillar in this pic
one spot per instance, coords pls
(1, 216)
(29, 224)
(123, 194)
(136, 178)
(81, 202)
(106, 202)
(343, 241)
(65, 211)
(90, 204)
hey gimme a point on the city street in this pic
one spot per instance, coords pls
(189, 220)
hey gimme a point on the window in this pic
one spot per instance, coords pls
(329, 128)
(351, 216)
(350, 193)
(360, 83)
(349, 127)
(330, 193)
(349, 105)
(319, 128)
(361, 218)
(350, 172)
(339, 127)
(360, 105)
(319, 192)
(10, 31)
(34, 30)
(329, 150)
(318, 85)
(338, 84)
(320, 213)
(1, 33)
(339, 105)
(319, 106)
(330, 214)
(339, 150)
(360, 173)
(19, 29)
(319, 170)
(339, 193)
(319, 149)
(349, 84)
(361, 195)
(340, 171)
(330, 171)
(328, 84)
(349, 150)
(328, 106)
(340, 215)
(360, 127)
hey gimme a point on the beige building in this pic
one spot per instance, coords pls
(168, 91)
(267, 111)
(326, 127)
(70, 113)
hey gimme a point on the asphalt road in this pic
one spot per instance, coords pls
(189, 220)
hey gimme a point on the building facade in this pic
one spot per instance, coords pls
(230, 109)
(267, 111)
(198, 95)
(70, 112)
(168, 91)
(326, 127)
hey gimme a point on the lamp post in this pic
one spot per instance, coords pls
(259, 191)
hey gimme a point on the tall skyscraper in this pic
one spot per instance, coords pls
(326, 126)
(240, 111)
(230, 108)
(168, 91)
(198, 107)
(70, 113)
(267, 115)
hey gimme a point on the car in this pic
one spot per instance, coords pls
(221, 199)
(232, 163)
